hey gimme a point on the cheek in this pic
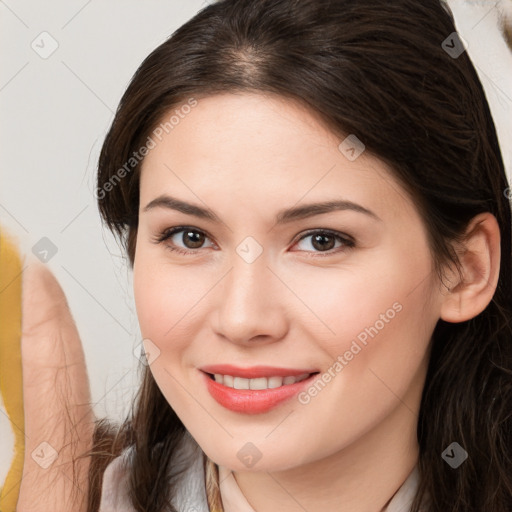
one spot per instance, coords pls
(381, 314)
(147, 295)
(167, 297)
(376, 358)
(154, 293)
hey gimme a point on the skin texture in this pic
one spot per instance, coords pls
(246, 157)
(56, 398)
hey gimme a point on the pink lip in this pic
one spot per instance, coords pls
(254, 372)
(252, 401)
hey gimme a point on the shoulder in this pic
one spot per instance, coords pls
(190, 484)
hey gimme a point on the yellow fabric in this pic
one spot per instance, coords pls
(10, 365)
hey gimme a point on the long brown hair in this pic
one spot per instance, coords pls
(384, 71)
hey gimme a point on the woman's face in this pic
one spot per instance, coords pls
(268, 280)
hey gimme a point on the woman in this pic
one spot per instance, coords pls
(313, 200)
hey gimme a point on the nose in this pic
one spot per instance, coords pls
(251, 304)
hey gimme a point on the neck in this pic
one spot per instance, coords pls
(363, 477)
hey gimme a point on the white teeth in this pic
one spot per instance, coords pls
(258, 383)
(275, 382)
(241, 383)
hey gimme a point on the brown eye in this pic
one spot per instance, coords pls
(183, 239)
(322, 241)
(193, 239)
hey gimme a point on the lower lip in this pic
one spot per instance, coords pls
(254, 401)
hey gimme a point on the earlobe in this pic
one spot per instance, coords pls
(480, 265)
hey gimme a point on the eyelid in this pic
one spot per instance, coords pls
(169, 232)
(348, 241)
(344, 236)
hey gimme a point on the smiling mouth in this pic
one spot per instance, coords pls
(260, 393)
(259, 383)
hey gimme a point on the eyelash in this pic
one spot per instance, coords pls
(348, 242)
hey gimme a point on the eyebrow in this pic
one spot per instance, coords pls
(283, 216)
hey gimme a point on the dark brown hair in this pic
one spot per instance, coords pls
(380, 70)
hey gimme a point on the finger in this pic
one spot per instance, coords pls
(58, 416)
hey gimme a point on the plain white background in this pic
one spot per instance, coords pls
(56, 109)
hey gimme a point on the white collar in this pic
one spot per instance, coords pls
(234, 501)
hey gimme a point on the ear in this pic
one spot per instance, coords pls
(480, 261)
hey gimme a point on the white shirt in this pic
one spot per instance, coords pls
(191, 495)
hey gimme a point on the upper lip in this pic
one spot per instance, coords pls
(254, 372)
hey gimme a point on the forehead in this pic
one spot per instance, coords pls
(263, 148)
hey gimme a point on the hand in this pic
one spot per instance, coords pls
(59, 420)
